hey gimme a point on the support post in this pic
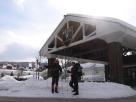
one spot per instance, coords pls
(115, 62)
(50, 65)
(107, 73)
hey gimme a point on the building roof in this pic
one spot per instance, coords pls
(115, 20)
(106, 28)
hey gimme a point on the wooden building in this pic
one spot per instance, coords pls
(104, 40)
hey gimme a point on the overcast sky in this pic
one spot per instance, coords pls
(25, 25)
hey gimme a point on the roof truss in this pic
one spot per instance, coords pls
(71, 32)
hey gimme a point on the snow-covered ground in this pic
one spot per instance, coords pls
(41, 88)
(15, 72)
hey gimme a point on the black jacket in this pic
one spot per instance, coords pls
(74, 71)
(56, 70)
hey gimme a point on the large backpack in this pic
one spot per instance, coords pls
(80, 71)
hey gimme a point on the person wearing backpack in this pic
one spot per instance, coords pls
(80, 73)
(74, 78)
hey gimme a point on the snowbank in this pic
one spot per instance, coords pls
(27, 76)
(105, 90)
(42, 88)
(8, 78)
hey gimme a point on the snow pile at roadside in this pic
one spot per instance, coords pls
(42, 88)
(6, 83)
(27, 76)
(31, 77)
(8, 78)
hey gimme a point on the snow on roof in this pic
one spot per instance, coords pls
(111, 19)
(125, 25)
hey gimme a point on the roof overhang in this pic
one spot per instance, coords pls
(86, 33)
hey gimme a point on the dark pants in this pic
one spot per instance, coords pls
(55, 80)
(71, 84)
(74, 84)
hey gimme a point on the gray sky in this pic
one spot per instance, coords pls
(25, 25)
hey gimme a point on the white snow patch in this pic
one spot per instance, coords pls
(42, 88)
(92, 65)
(8, 78)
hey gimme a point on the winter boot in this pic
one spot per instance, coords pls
(76, 93)
(52, 89)
(56, 89)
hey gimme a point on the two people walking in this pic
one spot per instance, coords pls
(57, 70)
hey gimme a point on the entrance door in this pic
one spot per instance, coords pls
(130, 76)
